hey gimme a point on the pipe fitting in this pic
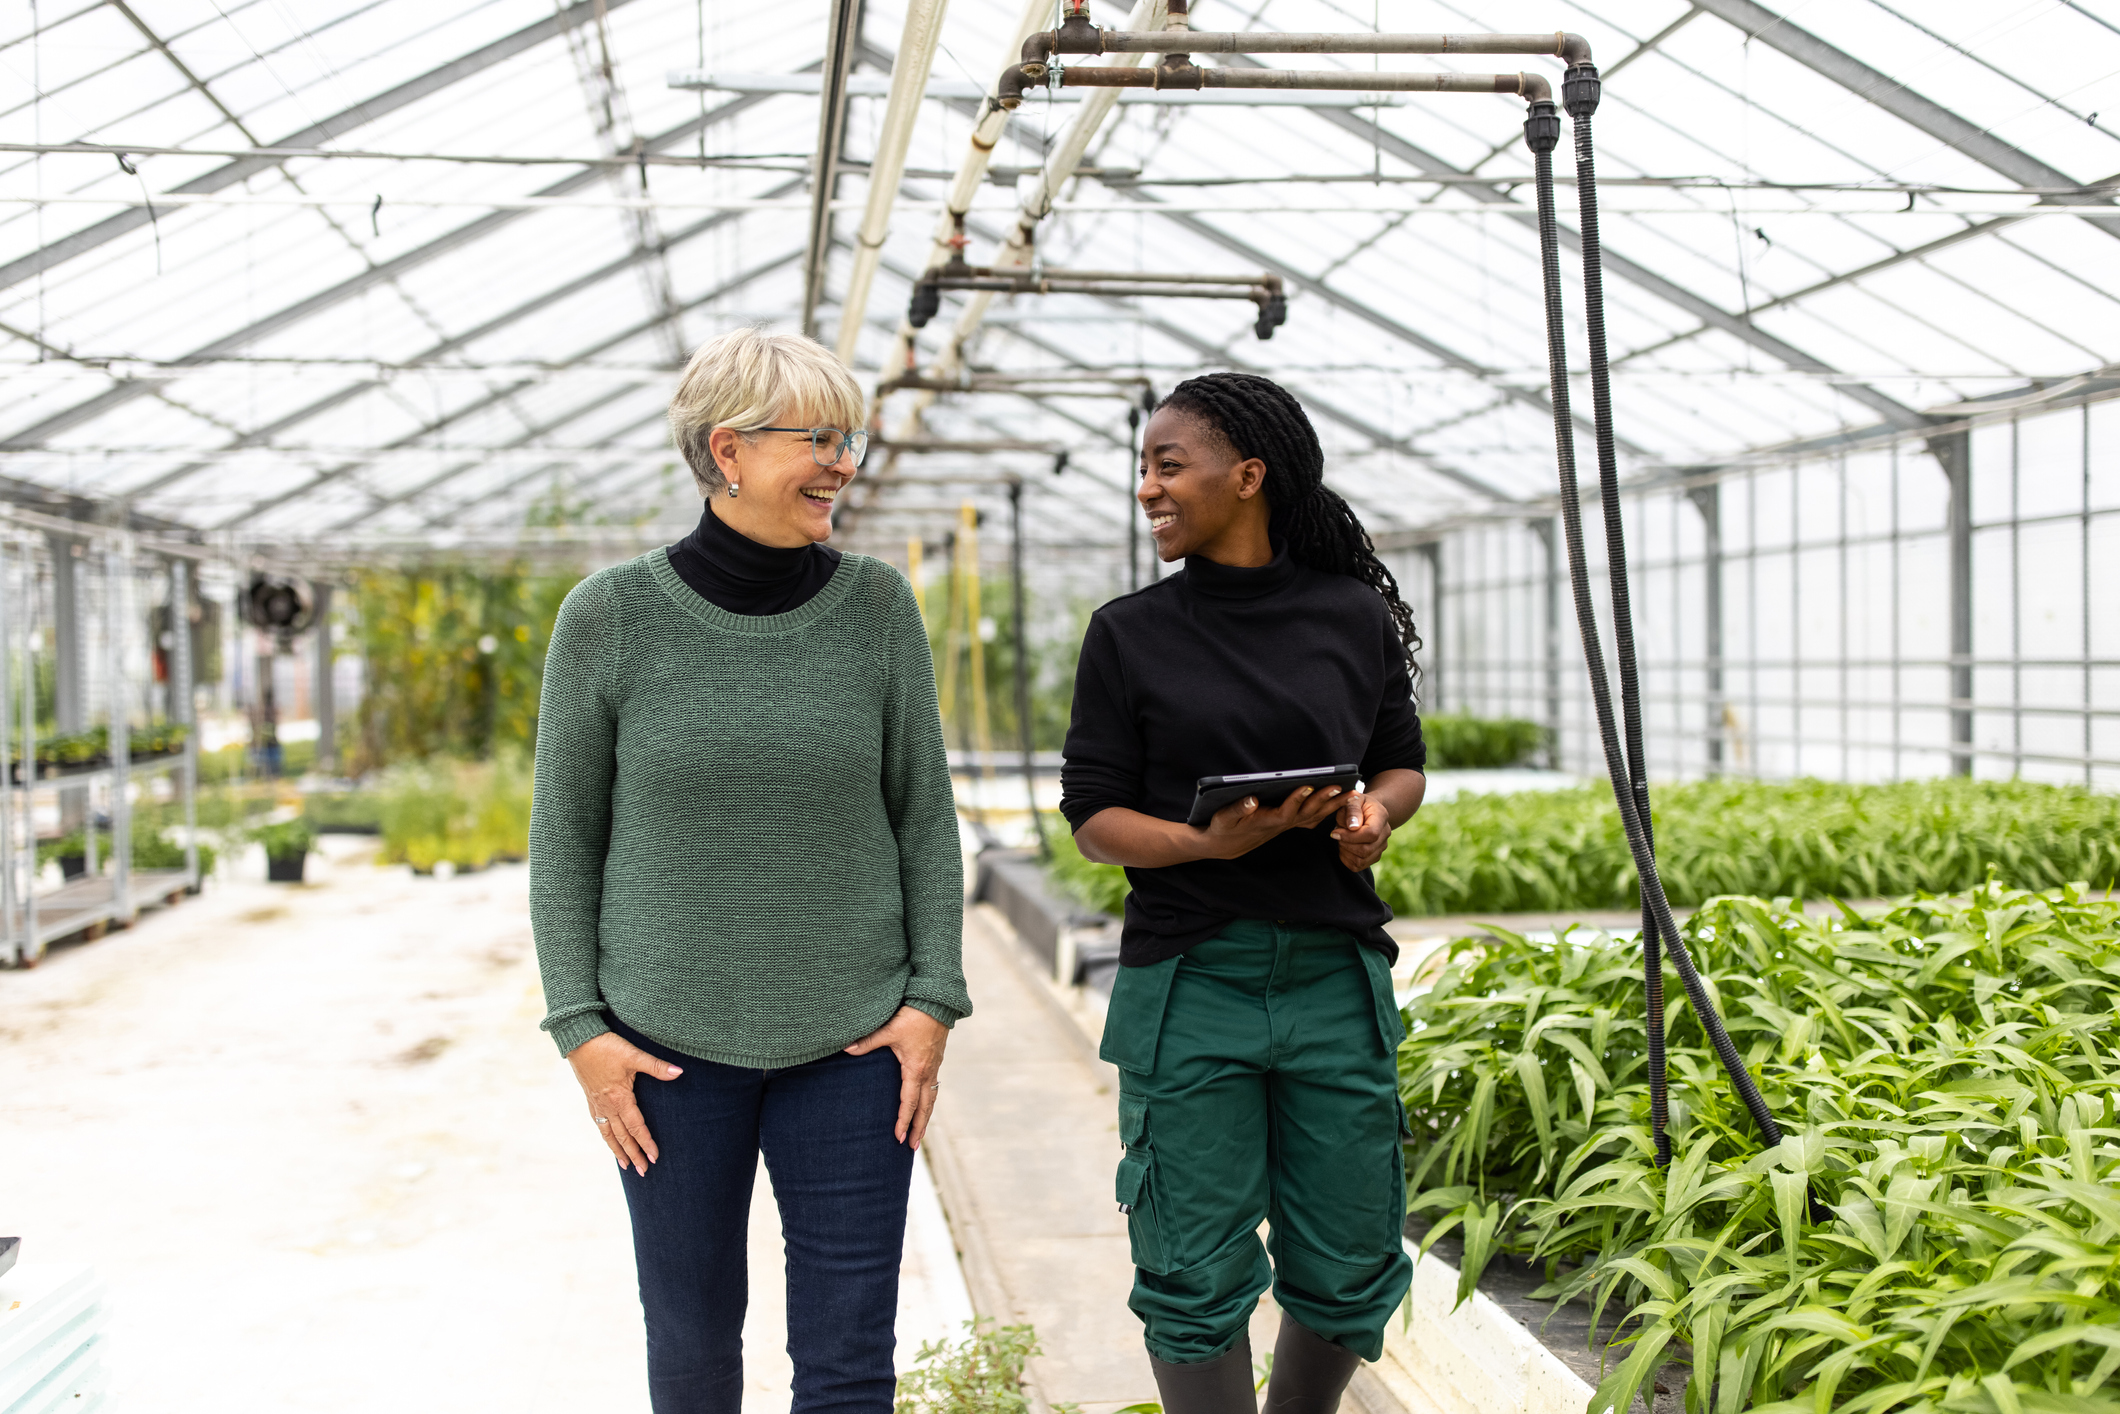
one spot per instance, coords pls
(1572, 47)
(1177, 71)
(925, 305)
(1008, 93)
(1580, 88)
(1077, 35)
(1542, 126)
(1534, 88)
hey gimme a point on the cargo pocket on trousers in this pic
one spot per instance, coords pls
(1136, 1187)
(1391, 1026)
(1134, 1017)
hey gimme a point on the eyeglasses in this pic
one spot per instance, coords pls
(829, 444)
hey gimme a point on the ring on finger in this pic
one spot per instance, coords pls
(602, 1120)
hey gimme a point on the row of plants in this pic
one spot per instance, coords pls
(1947, 1082)
(151, 849)
(1553, 851)
(86, 750)
(1459, 741)
(1547, 852)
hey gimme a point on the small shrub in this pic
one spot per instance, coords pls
(1460, 742)
(980, 1374)
(290, 839)
(469, 814)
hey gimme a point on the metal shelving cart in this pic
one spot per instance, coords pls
(32, 918)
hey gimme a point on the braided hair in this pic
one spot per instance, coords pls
(1260, 418)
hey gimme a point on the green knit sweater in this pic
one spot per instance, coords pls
(743, 841)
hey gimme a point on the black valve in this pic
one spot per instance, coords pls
(1273, 313)
(1580, 88)
(1542, 126)
(927, 302)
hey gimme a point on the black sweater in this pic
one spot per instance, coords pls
(730, 570)
(1216, 671)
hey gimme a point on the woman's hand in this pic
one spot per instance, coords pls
(917, 1040)
(1241, 827)
(1121, 836)
(1362, 845)
(605, 1065)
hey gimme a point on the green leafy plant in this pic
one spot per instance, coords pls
(289, 839)
(151, 849)
(351, 812)
(1460, 741)
(980, 1374)
(469, 814)
(1947, 1080)
(1100, 887)
(1552, 851)
(455, 659)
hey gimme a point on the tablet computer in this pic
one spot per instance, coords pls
(1271, 787)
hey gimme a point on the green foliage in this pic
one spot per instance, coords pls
(350, 811)
(467, 813)
(1460, 741)
(1051, 665)
(289, 839)
(432, 689)
(151, 849)
(981, 1374)
(1947, 1080)
(1551, 851)
(1101, 887)
(92, 747)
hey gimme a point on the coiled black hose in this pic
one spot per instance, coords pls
(1629, 788)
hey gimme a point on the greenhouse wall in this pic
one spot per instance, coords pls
(1833, 594)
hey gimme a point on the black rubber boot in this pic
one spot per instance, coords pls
(1310, 1373)
(1218, 1386)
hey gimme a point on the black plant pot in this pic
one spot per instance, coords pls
(284, 869)
(72, 866)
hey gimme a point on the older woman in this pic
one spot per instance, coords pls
(745, 885)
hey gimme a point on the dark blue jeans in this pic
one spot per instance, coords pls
(840, 1178)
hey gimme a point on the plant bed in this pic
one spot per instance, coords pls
(1947, 1082)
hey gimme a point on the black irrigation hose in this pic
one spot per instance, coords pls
(1579, 95)
(1542, 134)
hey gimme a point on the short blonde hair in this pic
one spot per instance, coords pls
(751, 378)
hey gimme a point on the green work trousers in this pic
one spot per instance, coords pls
(1258, 1083)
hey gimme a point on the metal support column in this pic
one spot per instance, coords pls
(183, 709)
(117, 581)
(1022, 655)
(1432, 552)
(29, 949)
(1550, 637)
(1954, 453)
(1708, 501)
(326, 706)
(69, 675)
(10, 949)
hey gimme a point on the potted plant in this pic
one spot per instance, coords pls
(71, 851)
(287, 847)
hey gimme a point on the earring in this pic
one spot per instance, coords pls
(732, 490)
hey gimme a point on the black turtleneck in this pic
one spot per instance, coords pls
(730, 570)
(1215, 671)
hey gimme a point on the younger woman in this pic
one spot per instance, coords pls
(1252, 1021)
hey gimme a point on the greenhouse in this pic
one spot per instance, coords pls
(1479, 644)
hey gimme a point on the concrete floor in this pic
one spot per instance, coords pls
(1027, 1146)
(313, 1141)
